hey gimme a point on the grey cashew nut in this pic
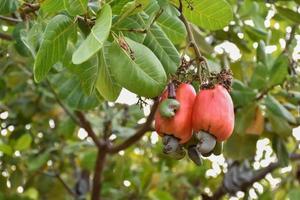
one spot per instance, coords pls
(207, 142)
(172, 147)
(194, 155)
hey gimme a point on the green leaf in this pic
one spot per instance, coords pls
(88, 159)
(240, 147)
(211, 15)
(23, 142)
(76, 7)
(143, 74)
(255, 34)
(260, 77)
(159, 194)
(163, 48)
(8, 6)
(173, 27)
(281, 151)
(106, 84)
(117, 6)
(94, 42)
(134, 22)
(294, 193)
(279, 70)
(87, 73)
(32, 38)
(289, 14)
(19, 44)
(261, 53)
(6, 149)
(52, 6)
(66, 127)
(159, 42)
(69, 90)
(277, 109)
(243, 117)
(168, 21)
(53, 45)
(200, 41)
(279, 126)
(133, 7)
(241, 94)
(37, 162)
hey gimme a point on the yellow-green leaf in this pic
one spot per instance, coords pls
(94, 42)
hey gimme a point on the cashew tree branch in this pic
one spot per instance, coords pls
(10, 19)
(97, 179)
(87, 126)
(258, 175)
(147, 126)
(192, 41)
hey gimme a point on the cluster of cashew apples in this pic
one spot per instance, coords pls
(196, 123)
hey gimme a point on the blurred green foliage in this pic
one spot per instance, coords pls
(39, 141)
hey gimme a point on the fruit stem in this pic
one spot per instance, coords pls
(171, 91)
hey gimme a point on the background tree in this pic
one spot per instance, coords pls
(63, 64)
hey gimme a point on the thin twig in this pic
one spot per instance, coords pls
(87, 126)
(79, 120)
(62, 105)
(147, 126)
(132, 30)
(263, 93)
(29, 8)
(70, 191)
(192, 40)
(10, 19)
(192, 43)
(65, 185)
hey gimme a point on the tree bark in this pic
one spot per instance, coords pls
(97, 182)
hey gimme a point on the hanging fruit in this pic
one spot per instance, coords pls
(173, 120)
(213, 117)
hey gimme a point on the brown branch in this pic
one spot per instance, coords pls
(97, 182)
(147, 126)
(7, 37)
(10, 19)
(132, 30)
(263, 93)
(29, 8)
(65, 185)
(87, 126)
(259, 175)
(192, 41)
(67, 111)
(70, 191)
(80, 119)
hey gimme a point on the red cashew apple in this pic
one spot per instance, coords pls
(213, 113)
(180, 125)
